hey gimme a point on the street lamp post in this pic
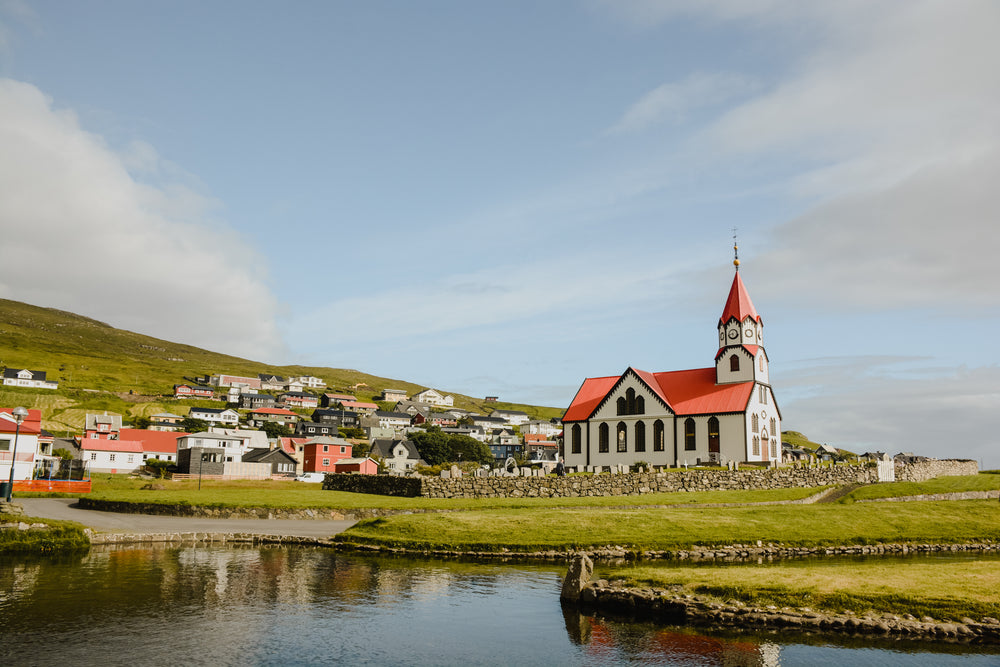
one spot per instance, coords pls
(19, 414)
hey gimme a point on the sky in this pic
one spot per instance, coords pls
(507, 198)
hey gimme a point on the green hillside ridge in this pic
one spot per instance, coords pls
(99, 367)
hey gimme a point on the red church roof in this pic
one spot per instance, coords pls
(738, 305)
(692, 392)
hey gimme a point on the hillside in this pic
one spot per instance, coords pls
(99, 367)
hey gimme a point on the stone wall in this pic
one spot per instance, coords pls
(629, 484)
(921, 471)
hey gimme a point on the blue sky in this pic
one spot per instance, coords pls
(505, 198)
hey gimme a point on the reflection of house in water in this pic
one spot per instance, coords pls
(628, 641)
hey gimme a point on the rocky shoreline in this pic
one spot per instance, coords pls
(675, 607)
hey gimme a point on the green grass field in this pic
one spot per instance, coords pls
(669, 529)
(920, 588)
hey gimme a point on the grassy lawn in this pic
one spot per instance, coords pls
(981, 482)
(668, 529)
(280, 494)
(939, 590)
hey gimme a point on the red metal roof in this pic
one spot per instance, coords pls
(153, 441)
(690, 392)
(738, 305)
(590, 394)
(32, 424)
(274, 411)
(111, 445)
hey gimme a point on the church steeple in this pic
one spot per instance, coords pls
(741, 356)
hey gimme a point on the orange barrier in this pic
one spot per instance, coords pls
(52, 486)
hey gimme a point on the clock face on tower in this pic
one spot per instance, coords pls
(733, 333)
(749, 333)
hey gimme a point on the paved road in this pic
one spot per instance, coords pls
(113, 522)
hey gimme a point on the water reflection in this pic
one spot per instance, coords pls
(277, 606)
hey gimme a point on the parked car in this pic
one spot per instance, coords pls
(311, 477)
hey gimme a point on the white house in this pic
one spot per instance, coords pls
(235, 445)
(397, 455)
(716, 414)
(512, 417)
(27, 443)
(216, 416)
(24, 378)
(114, 456)
(432, 397)
(541, 427)
(310, 381)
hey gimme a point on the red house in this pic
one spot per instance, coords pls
(321, 454)
(187, 391)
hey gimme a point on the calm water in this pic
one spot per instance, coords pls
(288, 606)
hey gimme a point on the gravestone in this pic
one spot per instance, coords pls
(456, 473)
(445, 474)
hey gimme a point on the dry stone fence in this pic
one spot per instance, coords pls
(626, 484)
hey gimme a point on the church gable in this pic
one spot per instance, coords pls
(631, 396)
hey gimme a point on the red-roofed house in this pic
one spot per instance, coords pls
(721, 414)
(280, 415)
(27, 443)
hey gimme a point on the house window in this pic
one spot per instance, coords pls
(689, 438)
(93, 456)
(326, 462)
(575, 439)
(111, 457)
(343, 450)
(640, 437)
(658, 436)
(603, 438)
(326, 448)
(734, 363)
(5, 445)
(622, 441)
(130, 458)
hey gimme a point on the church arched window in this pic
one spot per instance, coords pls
(658, 436)
(762, 363)
(640, 405)
(640, 437)
(622, 437)
(756, 445)
(603, 438)
(576, 439)
(622, 406)
(689, 437)
(773, 424)
(754, 423)
(734, 363)
(714, 442)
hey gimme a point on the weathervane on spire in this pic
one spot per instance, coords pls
(736, 251)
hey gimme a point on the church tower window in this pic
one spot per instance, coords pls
(734, 363)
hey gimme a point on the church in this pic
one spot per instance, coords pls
(709, 415)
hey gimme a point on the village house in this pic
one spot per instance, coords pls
(511, 417)
(398, 455)
(261, 416)
(102, 427)
(359, 466)
(27, 433)
(489, 424)
(22, 377)
(282, 463)
(270, 382)
(308, 381)
(321, 454)
(298, 399)
(707, 415)
(345, 418)
(237, 381)
(256, 401)
(215, 415)
(233, 447)
(314, 429)
(393, 395)
(433, 397)
(331, 400)
(540, 427)
(394, 420)
(193, 391)
(165, 421)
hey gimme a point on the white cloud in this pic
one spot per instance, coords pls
(895, 404)
(80, 233)
(674, 102)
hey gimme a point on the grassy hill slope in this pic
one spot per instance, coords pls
(99, 367)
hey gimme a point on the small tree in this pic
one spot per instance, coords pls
(192, 425)
(276, 430)
(141, 422)
(64, 454)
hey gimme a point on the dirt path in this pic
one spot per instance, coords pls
(113, 522)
